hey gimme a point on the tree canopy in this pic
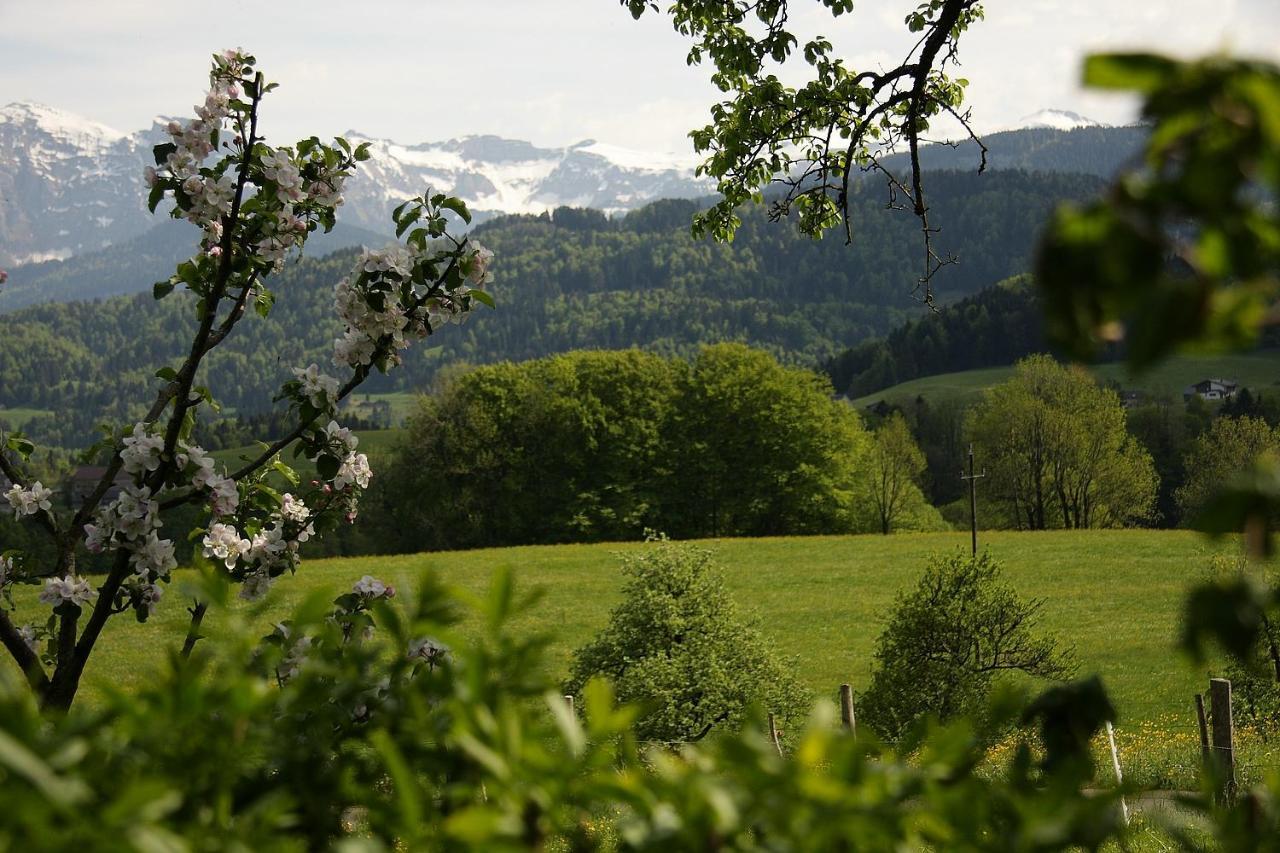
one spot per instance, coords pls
(1057, 453)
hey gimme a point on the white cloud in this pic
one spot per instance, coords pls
(553, 71)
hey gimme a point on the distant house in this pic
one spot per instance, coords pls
(1212, 389)
(86, 478)
(1132, 399)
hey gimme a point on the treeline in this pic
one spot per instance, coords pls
(1191, 445)
(992, 328)
(600, 446)
(1099, 151)
(571, 280)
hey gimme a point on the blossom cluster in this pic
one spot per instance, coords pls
(131, 522)
(428, 650)
(30, 500)
(71, 589)
(386, 304)
(7, 569)
(319, 389)
(205, 197)
(258, 557)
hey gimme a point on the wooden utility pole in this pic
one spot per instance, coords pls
(973, 498)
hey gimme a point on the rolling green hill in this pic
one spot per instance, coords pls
(1258, 371)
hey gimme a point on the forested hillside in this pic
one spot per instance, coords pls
(134, 265)
(572, 280)
(1099, 151)
(994, 327)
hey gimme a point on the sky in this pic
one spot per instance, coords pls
(553, 72)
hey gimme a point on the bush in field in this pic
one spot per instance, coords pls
(947, 640)
(678, 646)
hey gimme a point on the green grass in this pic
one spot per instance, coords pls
(1115, 595)
(1258, 371)
(17, 418)
(403, 404)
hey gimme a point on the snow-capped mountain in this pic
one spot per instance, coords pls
(69, 185)
(496, 175)
(1056, 120)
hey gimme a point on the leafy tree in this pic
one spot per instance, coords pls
(759, 449)
(679, 648)
(810, 140)
(1057, 452)
(569, 448)
(896, 466)
(1229, 448)
(948, 639)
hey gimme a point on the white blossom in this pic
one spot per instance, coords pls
(340, 436)
(28, 635)
(29, 501)
(154, 557)
(354, 470)
(141, 451)
(224, 542)
(67, 590)
(370, 587)
(320, 389)
(134, 514)
(6, 571)
(255, 586)
(427, 649)
(293, 509)
(293, 661)
(478, 272)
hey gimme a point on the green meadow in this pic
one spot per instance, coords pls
(1116, 596)
(1258, 371)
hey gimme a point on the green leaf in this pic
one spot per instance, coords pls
(161, 289)
(327, 466)
(155, 196)
(161, 152)
(1140, 72)
(459, 207)
(20, 444)
(481, 296)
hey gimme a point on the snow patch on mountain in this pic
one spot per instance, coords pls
(1054, 119)
(69, 184)
(60, 124)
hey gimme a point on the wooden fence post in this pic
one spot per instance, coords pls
(1115, 765)
(846, 709)
(773, 733)
(1224, 747)
(1203, 720)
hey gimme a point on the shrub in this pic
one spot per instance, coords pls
(948, 639)
(678, 646)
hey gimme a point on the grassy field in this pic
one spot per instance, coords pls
(1114, 595)
(402, 404)
(17, 418)
(1258, 371)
